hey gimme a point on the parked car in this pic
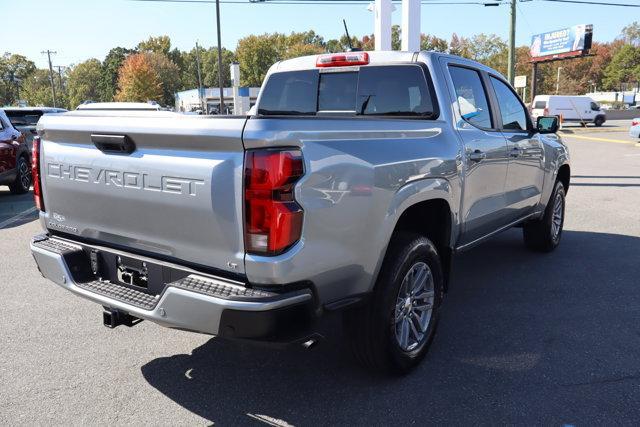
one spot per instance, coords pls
(634, 130)
(579, 109)
(15, 166)
(351, 188)
(25, 119)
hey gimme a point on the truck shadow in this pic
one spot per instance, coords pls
(522, 337)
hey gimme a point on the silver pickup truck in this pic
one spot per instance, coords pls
(350, 189)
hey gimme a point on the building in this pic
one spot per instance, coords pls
(188, 100)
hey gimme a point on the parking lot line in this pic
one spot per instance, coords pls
(17, 217)
(593, 138)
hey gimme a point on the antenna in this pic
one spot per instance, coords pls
(346, 30)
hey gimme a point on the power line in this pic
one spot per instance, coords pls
(593, 3)
(317, 2)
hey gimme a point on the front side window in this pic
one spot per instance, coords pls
(540, 105)
(511, 110)
(471, 97)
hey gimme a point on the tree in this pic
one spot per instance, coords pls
(138, 81)
(82, 82)
(631, 34)
(623, 68)
(297, 50)
(36, 89)
(433, 43)
(109, 75)
(159, 44)
(255, 55)
(168, 74)
(210, 67)
(14, 69)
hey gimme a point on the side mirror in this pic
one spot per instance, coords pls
(547, 124)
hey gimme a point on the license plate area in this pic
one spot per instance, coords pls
(132, 272)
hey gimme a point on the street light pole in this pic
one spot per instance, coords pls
(204, 110)
(220, 80)
(512, 43)
(558, 81)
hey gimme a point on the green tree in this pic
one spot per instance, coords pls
(138, 81)
(159, 44)
(14, 69)
(255, 55)
(109, 76)
(209, 65)
(168, 74)
(36, 89)
(623, 68)
(83, 82)
(433, 43)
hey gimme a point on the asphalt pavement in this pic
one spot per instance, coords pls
(524, 338)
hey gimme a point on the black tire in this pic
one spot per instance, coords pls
(540, 235)
(23, 180)
(371, 328)
(599, 121)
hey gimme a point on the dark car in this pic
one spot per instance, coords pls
(15, 163)
(25, 119)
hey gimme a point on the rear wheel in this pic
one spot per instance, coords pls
(393, 332)
(544, 234)
(22, 182)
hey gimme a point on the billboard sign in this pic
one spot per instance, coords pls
(573, 41)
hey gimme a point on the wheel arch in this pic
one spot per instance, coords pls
(564, 176)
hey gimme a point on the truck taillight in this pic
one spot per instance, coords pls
(342, 59)
(35, 173)
(635, 122)
(273, 219)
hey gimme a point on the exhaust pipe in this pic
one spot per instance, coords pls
(112, 318)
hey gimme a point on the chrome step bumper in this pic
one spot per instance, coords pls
(194, 303)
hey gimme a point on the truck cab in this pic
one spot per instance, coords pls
(349, 190)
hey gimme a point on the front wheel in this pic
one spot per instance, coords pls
(23, 178)
(544, 234)
(599, 121)
(393, 332)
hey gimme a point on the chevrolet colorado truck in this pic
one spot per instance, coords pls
(351, 188)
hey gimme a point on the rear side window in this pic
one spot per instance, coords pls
(471, 96)
(540, 105)
(394, 90)
(389, 90)
(290, 93)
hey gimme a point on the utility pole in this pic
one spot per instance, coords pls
(60, 68)
(220, 80)
(199, 79)
(512, 43)
(53, 86)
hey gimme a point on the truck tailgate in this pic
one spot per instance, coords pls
(178, 194)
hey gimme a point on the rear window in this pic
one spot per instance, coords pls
(540, 105)
(24, 118)
(389, 90)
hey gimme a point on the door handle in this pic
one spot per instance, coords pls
(477, 156)
(120, 144)
(515, 152)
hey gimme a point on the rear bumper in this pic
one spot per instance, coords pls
(199, 303)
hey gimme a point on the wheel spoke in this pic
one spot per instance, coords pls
(414, 331)
(424, 295)
(423, 307)
(404, 334)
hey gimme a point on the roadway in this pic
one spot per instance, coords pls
(524, 338)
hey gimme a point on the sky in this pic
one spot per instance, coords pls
(81, 29)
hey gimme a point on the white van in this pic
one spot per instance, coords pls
(581, 109)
